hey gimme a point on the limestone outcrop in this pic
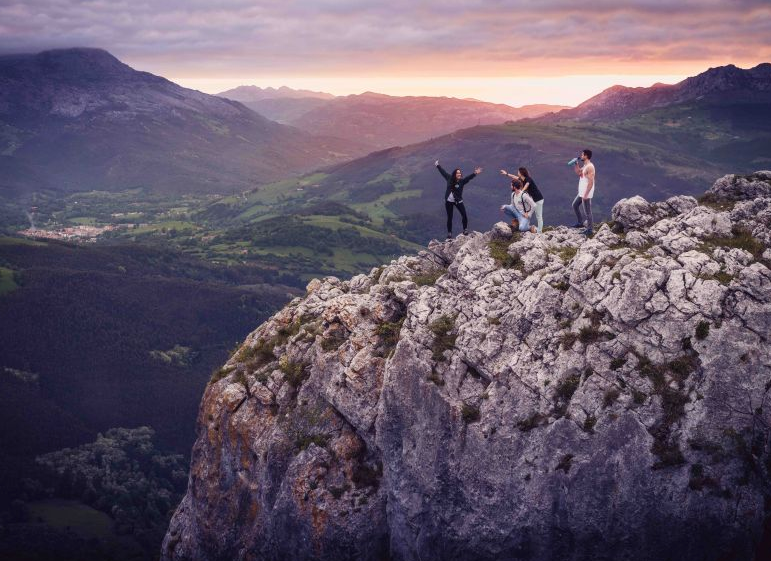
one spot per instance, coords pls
(507, 396)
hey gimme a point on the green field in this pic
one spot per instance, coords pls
(85, 522)
(7, 283)
(243, 230)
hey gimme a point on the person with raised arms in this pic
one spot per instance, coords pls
(453, 195)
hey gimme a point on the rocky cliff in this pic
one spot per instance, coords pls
(507, 397)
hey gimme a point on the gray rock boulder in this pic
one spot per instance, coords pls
(741, 187)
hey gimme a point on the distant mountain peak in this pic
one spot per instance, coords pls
(97, 60)
(85, 119)
(255, 93)
(73, 64)
(715, 83)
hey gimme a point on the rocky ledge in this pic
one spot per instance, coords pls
(507, 397)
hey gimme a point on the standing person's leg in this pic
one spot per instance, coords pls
(589, 218)
(448, 209)
(463, 216)
(539, 215)
(577, 208)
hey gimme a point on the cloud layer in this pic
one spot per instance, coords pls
(344, 37)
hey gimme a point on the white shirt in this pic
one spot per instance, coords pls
(522, 202)
(584, 181)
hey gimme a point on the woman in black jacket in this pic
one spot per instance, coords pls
(453, 195)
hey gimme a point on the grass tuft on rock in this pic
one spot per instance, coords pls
(610, 397)
(712, 201)
(702, 330)
(565, 462)
(741, 238)
(220, 373)
(294, 372)
(303, 441)
(567, 339)
(499, 251)
(389, 333)
(469, 413)
(429, 278)
(617, 363)
(260, 353)
(334, 339)
(443, 339)
(567, 387)
(566, 253)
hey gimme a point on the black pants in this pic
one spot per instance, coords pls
(461, 208)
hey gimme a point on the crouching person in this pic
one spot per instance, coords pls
(521, 208)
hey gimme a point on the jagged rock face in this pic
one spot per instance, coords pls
(522, 397)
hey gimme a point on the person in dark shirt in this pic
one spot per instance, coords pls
(531, 189)
(453, 195)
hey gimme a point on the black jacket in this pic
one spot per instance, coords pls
(455, 186)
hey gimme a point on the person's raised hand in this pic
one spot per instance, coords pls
(478, 171)
(504, 172)
(436, 163)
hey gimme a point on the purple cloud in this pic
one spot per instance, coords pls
(241, 37)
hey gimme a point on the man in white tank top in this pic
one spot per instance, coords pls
(586, 176)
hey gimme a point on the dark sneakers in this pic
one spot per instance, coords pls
(588, 233)
(579, 225)
(465, 232)
(449, 236)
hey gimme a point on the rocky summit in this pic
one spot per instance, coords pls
(507, 396)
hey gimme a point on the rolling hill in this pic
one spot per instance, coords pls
(382, 121)
(285, 109)
(377, 121)
(79, 119)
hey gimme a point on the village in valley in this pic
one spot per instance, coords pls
(79, 233)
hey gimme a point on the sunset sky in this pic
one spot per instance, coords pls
(516, 52)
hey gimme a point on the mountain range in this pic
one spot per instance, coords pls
(79, 119)
(255, 93)
(378, 121)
